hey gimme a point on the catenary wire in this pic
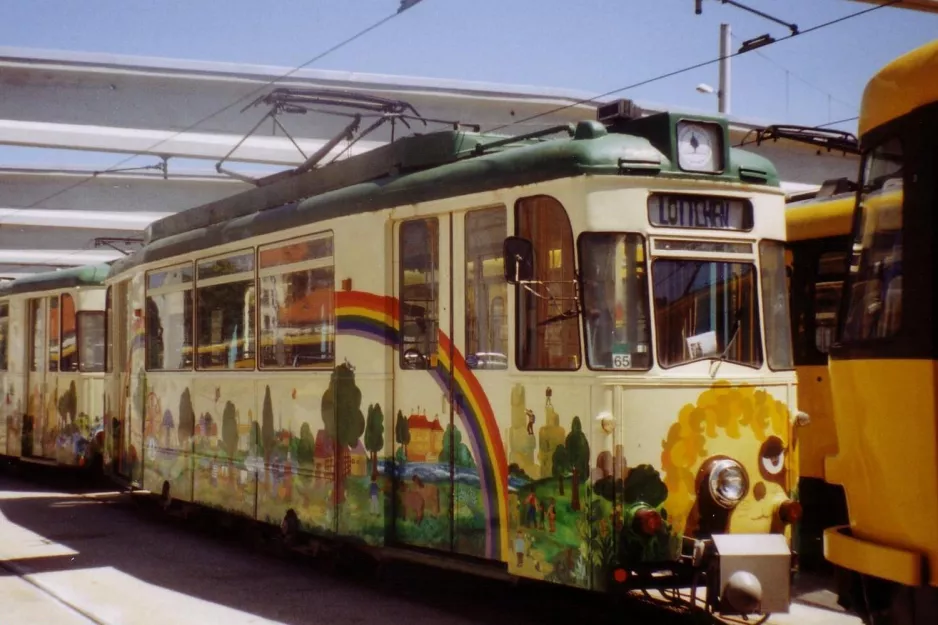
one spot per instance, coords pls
(689, 68)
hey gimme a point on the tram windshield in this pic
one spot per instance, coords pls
(706, 309)
(615, 301)
(875, 278)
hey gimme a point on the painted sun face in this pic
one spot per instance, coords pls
(744, 424)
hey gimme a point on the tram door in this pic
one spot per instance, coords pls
(118, 403)
(34, 416)
(422, 483)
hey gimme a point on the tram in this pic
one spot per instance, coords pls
(52, 368)
(567, 359)
(884, 378)
(818, 245)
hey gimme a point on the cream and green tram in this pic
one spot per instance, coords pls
(612, 408)
(52, 367)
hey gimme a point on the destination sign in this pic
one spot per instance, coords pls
(700, 212)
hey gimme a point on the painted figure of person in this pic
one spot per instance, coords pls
(552, 517)
(542, 508)
(373, 489)
(532, 510)
(519, 548)
(531, 418)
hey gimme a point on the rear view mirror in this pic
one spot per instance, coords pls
(519, 260)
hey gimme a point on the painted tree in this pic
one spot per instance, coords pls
(374, 436)
(578, 452)
(306, 448)
(343, 418)
(255, 444)
(402, 432)
(229, 433)
(267, 428)
(68, 404)
(186, 418)
(455, 450)
(560, 466)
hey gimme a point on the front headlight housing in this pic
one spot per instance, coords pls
(729, 483)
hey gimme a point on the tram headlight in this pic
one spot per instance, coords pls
(728, 483)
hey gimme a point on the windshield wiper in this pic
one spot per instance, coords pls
(736, 326)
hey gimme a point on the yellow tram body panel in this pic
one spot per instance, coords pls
(818, 439)
(902, 86)
(886, 464)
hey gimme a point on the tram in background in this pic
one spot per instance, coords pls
(52, 367)
(567, 359)
(818, 249)
(884, 375)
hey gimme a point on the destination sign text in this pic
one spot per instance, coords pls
(700, 212)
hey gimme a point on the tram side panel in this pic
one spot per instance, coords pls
(13, 377)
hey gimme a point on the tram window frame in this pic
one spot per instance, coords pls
(640, 273)
(4, 334)
(80, 342)
(186, 287)
(68, 364)
(52, 365)
(221, 277)
(569, 330)
(485, 350)
(780, 336)
(429, 332)
(314, 262)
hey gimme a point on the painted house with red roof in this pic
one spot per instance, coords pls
(426, 439)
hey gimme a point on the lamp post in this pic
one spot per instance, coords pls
(723, 94)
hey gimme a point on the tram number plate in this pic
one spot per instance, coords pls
(708, 213)
(622, 361)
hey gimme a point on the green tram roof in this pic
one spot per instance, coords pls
(87, 275)
(434, 166)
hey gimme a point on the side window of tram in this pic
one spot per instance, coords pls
(4, 334)
(875, 306)
(68, 354)
(419, 288)
(547, 338)
(831, 268)
(169, 319)
(225, 312)
(53, 327)
(297, 303)
(486, 290)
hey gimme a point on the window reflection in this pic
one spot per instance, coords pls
(775, 301)
(697, 305)
(69, 358)
(548, 336)
(169, 319)
(297, 304)
(91, 337)
(486, 322)
(419, 279)
(225, 312)
(875, 307)
(53, 325)
(615, 301)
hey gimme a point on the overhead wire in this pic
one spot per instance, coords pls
(690, 68)
(404, 6)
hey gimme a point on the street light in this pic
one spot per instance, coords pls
(704, 88)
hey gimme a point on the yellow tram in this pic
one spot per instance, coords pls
(818, 249)
(884, 375)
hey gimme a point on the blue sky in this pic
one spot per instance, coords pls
(589, 45)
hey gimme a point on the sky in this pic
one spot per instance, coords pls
(592, 46)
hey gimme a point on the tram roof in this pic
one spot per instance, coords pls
(818, 219)
(87, 275)
(434, 166)
(905, 84)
